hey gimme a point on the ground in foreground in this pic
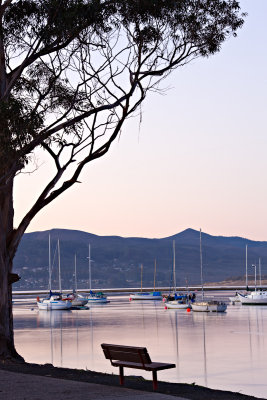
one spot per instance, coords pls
(189, 391)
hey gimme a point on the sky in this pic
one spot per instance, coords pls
(198, 158)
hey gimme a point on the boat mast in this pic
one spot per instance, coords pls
(201, 266)
(255, 266)
(246, 266)
(89, 258)
(155, 269)
(260, 270)
(174, 275)
(59, 271)
(141, 277)
(75, 273)
(49, 264)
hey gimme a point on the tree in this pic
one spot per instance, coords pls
(71, 73)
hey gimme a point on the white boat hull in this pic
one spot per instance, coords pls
(76, 300)
(97, 300)
(176, 305)
(255, 298)
(145, 296)
(209, 306)
(54, 305)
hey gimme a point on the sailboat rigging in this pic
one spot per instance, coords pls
(206, 305)
(54, 300)
(147, 295)
(177, 301)
(94, 297)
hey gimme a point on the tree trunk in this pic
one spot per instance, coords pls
(7, 347)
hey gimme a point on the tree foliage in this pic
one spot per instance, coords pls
(72, 72)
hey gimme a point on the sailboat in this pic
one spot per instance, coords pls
(176, 301)
(146, 295)
(207, 305)
(235, 299)
(94, 297)
(76, 299)
(54, 300)
(257, 297)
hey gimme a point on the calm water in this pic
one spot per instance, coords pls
(222, 351)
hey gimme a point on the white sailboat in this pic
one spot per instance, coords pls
(207, 305)
(54, 300)
(179, 301)
(235, 299)
(146, 295)
(94, 297)
(76, 299)
(257, 297)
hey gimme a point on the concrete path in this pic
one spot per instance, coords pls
(16, 386)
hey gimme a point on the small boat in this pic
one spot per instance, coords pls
(53, 302)
(258, 297)
(177, 304)
(207, 305)
(94, 297)
(177, 300)
(146, 295)
(76, 299)
(97, 298)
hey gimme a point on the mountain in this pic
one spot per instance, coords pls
(116, 260)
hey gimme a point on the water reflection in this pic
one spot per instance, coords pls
(225, 351)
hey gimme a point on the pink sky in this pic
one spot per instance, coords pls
(197, 160)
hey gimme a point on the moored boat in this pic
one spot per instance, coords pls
(177, 304)
(209, 306)
(97, 298)
(76, 299)
(176, 300)
(257, 297)
(53, 302)
(146, 296)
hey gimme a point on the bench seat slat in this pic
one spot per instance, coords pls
(153, 366)
(121, 347)
(123, 356)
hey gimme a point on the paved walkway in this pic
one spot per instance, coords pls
(16, 386)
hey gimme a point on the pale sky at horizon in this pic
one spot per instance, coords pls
(198, 158)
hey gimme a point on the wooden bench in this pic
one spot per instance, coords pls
(133, 357)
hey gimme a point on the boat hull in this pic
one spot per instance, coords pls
(145, 296)
(206, 306)
(176, 305)
(97, 300)
(255, 298)
(54, 305)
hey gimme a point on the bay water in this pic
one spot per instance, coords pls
(224, 351)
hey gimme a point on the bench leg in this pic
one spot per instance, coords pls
(155, 381)
(121, 376)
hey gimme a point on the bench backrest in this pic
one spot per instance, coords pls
(126, 353)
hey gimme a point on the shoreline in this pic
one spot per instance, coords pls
(188, 391)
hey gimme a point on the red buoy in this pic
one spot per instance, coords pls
(188, 309)
(166, 307)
